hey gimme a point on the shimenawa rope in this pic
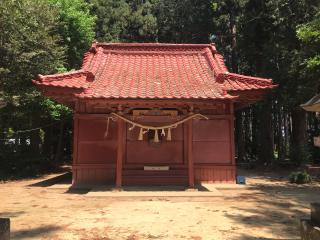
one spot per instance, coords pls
(146, 128)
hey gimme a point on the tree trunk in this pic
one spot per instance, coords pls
(60, 144)
(233, 30)
(47, 149)
(240, 138)
(298, 151)
(281, 137)
(287, 133)
(266, 139)
(35, 139)
(255, 133)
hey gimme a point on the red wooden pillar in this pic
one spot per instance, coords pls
(75, 143)
(75, 148)
(232, 118)
(190, 154)
(232, 131)
(120, 151)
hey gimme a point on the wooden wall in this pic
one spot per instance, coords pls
(95, 153)
(213, 149)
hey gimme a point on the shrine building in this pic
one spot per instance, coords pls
(153, 113)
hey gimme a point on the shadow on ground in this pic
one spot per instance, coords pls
(247, 237)
(81, 189)
(11, 214)
(35, 232)
(64, 178)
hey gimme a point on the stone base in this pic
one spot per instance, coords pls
(117, 189)
(4, 228)
(191, 189)
(308, 230)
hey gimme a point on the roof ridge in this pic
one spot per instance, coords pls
(87, 58)
(192, 45)
(88, 74)
(216, 62)
(240, 77)
(153, 52)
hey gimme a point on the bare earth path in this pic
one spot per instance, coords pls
(266, 208)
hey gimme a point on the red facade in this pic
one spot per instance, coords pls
(153, 85)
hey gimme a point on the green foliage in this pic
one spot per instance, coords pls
(153, 20)
(300, 177)
(29, 44)
(76, 26)
(125, 21)
(309, 34)
(313, 63)
(142, 23)
(184, 21)
(112, 19)
(56, 111)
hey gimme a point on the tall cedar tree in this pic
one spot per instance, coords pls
(76, 27)
(125, 21)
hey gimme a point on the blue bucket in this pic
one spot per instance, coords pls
(241, 180)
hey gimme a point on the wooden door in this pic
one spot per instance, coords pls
(146, 152)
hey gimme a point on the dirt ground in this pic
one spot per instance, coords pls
(266, 208)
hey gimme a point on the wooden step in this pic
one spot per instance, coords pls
(155, 180)
(132, 172)
(158, 178)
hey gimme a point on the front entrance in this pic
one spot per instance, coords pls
(155, 163)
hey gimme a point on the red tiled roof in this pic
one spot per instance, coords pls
(154, 71)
